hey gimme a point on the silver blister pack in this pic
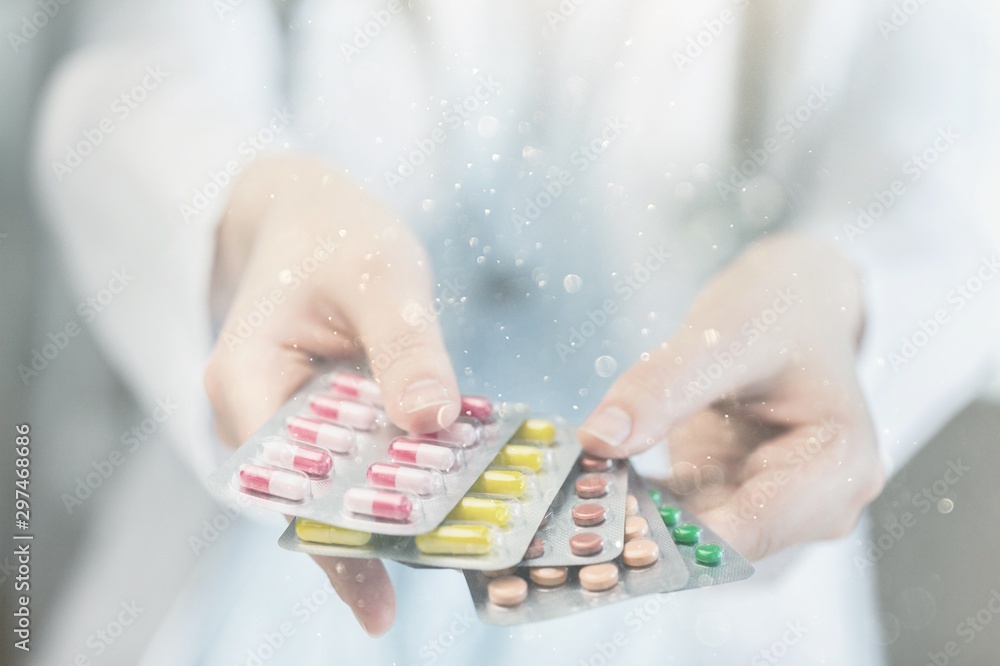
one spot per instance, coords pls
(666, 574)
(331, 455)
(561, 526)
(506, 543)
(734, 567)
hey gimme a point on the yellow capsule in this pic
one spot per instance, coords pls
(481, 509)
(456, 540)
(520, 455)
(506, 482)
(317, 532)
(537, 430)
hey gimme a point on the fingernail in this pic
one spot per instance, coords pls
(448, 414)
(611, 425)
(423, 394)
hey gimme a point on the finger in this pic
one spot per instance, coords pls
(364, 585)
(677, 380)
(248, 378)
(394, 317)
(737, 333)
(811, 483)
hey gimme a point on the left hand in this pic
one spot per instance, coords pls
(757, 397)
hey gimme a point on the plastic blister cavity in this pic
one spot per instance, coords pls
(587, 528)
(490, 527)
(330, 455)
(651, 564)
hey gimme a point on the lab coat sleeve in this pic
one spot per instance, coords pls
(144, 126)
(895, 167)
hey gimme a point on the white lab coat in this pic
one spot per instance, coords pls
(677, 131)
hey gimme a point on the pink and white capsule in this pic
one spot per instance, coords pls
(308, 459)
(461, 434)
(336, 438)
(288, 485)
(477, 407)
(420, 481)
(419, 452)
(351, 385)
(378, 503)
(346, 412)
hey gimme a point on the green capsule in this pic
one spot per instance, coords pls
(671, 515)
(656, 496)
(709, 554)
(687, 534)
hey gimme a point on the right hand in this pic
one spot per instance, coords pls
(363, 297)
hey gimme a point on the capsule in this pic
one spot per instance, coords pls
(477, 407)
(537, 430)
(520, 455)
(284, 484)
(506, 482)
(378, 504)
(345, 412)
(331, 436)
(418, 452)
(460, 433)
(317, 532)
(356, 387)
(482, 510)
(420, 481)
(308, 459)
(456, 540)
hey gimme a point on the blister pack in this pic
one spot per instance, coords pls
(330, 454)
(586, 522)
(709, 559)
(649, 563)
(489, 528)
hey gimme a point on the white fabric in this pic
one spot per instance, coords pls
(541, 87)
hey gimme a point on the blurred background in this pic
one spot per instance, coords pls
(933, 575)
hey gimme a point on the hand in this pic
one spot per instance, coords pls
(315, 269)
(768, 434)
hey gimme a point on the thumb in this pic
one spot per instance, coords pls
(683, 376)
